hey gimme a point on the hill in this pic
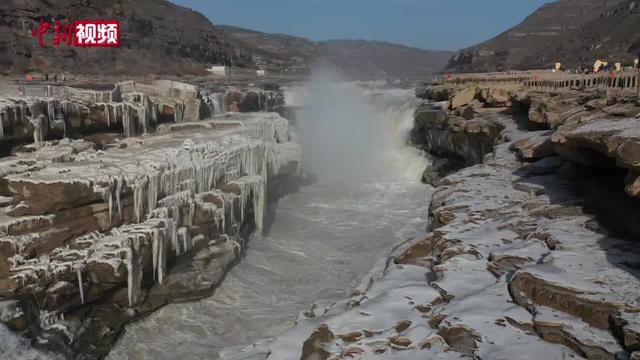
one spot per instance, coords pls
(156, 37)
(556, 32)
(356, 58)
(614, 35)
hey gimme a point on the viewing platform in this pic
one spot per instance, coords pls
(547, 80)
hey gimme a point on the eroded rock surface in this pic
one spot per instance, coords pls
(444, 135)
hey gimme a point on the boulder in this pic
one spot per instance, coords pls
(462, 97)
(460, 338)
(313, 347)
(622, 110)
(534, 147)
(399, 342)
(402, 325)
(496, 97)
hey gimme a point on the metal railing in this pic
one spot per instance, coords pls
(548, 80)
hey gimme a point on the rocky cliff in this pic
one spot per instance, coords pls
(567, 31)
(94, 235)
(157, 37)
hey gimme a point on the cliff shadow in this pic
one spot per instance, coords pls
(597, 192)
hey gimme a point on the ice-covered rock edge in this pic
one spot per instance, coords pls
(510, 273)
(168, 184)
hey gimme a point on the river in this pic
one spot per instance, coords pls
(324, 238)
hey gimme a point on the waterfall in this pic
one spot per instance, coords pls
(397, 111)
(216, 102)
(353, 134)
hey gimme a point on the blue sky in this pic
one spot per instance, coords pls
(430, 24)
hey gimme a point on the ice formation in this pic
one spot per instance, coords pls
(87, 219)
(166, 180)
(135, 106)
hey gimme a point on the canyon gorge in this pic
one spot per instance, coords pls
(206, 191)
(168, 220)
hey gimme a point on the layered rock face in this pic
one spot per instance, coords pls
(95, 237)
(454, 136)
(593, 128)
(129, 108)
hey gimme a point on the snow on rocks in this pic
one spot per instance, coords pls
(513, 269)
(130, 108)
(83, 224)
(165, 171)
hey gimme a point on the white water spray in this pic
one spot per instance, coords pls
(350, 134)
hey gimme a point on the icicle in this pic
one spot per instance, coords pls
(107, 114)
(172, 225)
(154, 251)
(178, 115)
(128, 125)
(134, 278)
(161, 254)
(259, 196)
(154, 113)
(141, 113)
(39, 131)
(110, 201)
(223, 215)
(152, 191)
(80, 286)
(184, 241)
(139, 193)
(192, 213)
(51, 111)
(118, 194)
(64, 128)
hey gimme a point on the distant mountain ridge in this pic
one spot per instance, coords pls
(356, 58)
(614, 35)
(567, 31)
(159, 37)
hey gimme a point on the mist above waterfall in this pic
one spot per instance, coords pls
(352, 134)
